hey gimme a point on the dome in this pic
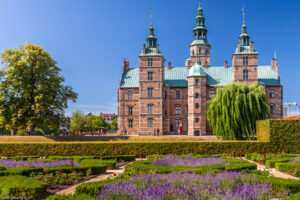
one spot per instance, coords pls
(196, 70)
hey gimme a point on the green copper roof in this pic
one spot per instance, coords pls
(244, 50)
(196, 70)
(216, 76)
(151, 52)
(199, 42)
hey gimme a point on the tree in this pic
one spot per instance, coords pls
(77, 123)
(114, 124)
(32, 90)
(233, 112)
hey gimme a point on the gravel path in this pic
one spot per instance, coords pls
(108, 173)
(273, 171)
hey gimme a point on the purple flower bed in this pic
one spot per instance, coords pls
(188, 161)
(297, 159)
(38, 163)
(223, 186)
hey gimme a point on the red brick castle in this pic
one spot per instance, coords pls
(154, 97)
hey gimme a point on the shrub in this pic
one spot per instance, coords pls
(92, 188)
(21, 133)
(76, 158)
(119, 158)
(70, 197)
(292, 168)
(21, 186)
(293, 197)
(271, 163)
(111, 164)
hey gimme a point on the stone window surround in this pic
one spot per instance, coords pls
(130, 123)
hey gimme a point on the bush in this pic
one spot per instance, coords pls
(21, 133)
(143, 167)
(25, 171)
(293, 197)
(111, 164)
(21, 186)
(70, 197)
(271, 163)
(292, 168)
(92, 188)
(76, 158)
(120, 158)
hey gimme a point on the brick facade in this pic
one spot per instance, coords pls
(147, 103)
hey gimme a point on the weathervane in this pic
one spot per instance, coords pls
(243, 9)
(151, 17)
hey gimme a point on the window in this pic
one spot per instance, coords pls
(197, 82)
(197, 105)
(206, 51)
(211, 93)
(196, 95)
(177, 123)
(272, 109)
(197, 120)
(150, 92)
(245, 60)
(193, 53)
(178, 110)
(130, 94)
(200, 49)
(130, 108)
(150, 109)
(272, 93)
(166, 94)
(166, 112)
(150, 76)
(150, 122)
(177, 94)
(150, 62)
(245, 74)
(130, 123)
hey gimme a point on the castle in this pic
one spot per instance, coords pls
(154, 97)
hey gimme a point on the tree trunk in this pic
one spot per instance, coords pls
(12, 132)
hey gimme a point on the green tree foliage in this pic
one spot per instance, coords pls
(233, 112)
(31, 89)
(114, 124)
(77, 121)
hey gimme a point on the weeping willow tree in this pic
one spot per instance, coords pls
(233, 112)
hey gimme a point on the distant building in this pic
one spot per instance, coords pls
(108, 117)
(154, 97)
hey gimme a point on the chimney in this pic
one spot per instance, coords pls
(144, 49)
(226, 63)
(157, 48)
(125, 65)
(251, 46)
(169, 65)
(239, 48)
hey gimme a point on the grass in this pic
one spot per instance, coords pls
(34, 139)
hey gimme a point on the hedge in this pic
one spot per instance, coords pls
(111, 164)
(21, 186)
(120, 158)
(271, 163)
(292, 168)
(293, 197)
(93, 188)
(143, 167)
(70, 197)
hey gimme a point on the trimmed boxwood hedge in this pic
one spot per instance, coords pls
(271, 163)
(21, 186)
(70, 197)
(292, 168)
(293, 197)
(92, 188)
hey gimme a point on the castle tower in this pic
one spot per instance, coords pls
(197, 81)
(151, 82)
(200, 48)
(244, 60)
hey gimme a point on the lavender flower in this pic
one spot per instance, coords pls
(37, 163)
(224, 186)
(188, 161)
(297, 159)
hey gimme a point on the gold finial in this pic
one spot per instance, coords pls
(151, 23)
(243, 9)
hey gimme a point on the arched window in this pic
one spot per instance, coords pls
(197, 96)
(245, 74)
(150, 108)
(197, 105)
(197, 120)
(178, 109)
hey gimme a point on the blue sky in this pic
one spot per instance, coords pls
(90, 38)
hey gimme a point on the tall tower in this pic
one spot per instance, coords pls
(244, 60)
(200, 48)
(197, 82)
(151, 82)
